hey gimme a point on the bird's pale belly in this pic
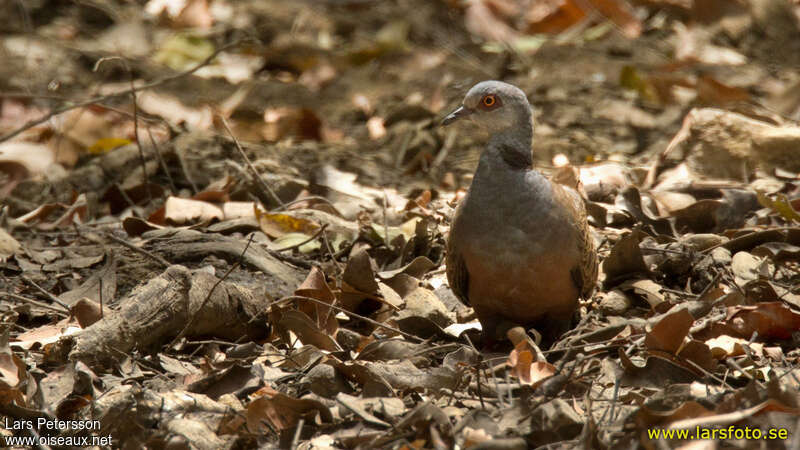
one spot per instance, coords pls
(519, 283)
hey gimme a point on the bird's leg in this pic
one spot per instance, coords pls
(551, 330)
(494, 333)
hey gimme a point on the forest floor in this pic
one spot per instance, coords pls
(223, 223)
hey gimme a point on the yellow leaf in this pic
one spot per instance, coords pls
(278, 224)
(780, 205)
(105, 145)
(182, 51)
(631, 79)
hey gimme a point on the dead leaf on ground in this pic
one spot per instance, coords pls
(668, 334)
(773, 320)
(282, 412)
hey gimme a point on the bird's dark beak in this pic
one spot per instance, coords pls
(462, 111)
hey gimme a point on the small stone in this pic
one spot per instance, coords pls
(325, 381)
(348, 339)
(745, 266)
(614, 303)
(721, 256)
(424, 303)
(703, 241)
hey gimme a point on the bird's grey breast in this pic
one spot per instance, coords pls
(508, 214)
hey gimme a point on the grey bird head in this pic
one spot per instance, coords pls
(494, 106)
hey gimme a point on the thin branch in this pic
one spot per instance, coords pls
(142, 159)
(267, 192)
(299, 244)
(161, 261)
(34, 302)
(52, 297)
(162, 162)
(123, 93)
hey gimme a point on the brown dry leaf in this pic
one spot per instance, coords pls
(723, 346)
(553, 16)
(746, 267)
(238, 210)
(80, 129)
(12, 373)
(14, 112)
(76, 213)
(603, 181)
(307, 330)
(285, 122)
(711, 91)
(694, 45)
(621, 14)
(135, 226)
(481, 21)
(669, 202)
(315, 286)
(174, 111)
(526, 360)
(195, 14)
(22, 160)
(648, 289)
(668, 334)
(183, 211)
(282, 412)
(8, 245)
(772, 320)
(625, 258)
(698, 353)
(46, 334)
(360, 272)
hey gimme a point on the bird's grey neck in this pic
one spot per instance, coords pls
(514, 145)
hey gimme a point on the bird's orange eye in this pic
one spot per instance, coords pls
(489, 100)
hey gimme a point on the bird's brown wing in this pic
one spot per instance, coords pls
(457, 274)
(585, 274)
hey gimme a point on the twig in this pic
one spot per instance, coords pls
(710, 375)
(297, 432)
(100, 292)
(161, 261)
(331, 254)
(52, 297)
(123, 93)
(301, 200)
(299, 244)
(186, 174)
(34, 302)
(477, 371)
(142, 159)
(730, 362)
(125, 195)
(298, 262)
(161, 161)
(267, 192)
(615, 397)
